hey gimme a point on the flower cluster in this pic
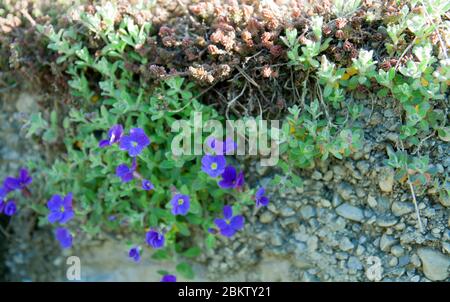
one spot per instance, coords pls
(61, 211)
(134, 144)
(11, 184)
(216, 165)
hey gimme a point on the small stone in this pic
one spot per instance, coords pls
(415, 260)
(386, 179)
(393, 261)
(289, 221)
(273, 208)
(266, 217)
(434, 264)
(415, 278)
(287, 212)
(386, 241)
(400, 208)
(325, 203)
(350, 212)
(276, 240)
(397, 250)
(328, 176)
(363, 167)
(354, 263)
(386, 221)
(371, 201)
(307, 212)
(346, 245)
(403, 260)
(345, 190)
(316, 175)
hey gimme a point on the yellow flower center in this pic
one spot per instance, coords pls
(214, 166)
(180, 201)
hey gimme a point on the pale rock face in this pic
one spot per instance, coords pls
(434, 264)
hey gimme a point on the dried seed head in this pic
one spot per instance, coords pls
(340, 23)
(340, 34)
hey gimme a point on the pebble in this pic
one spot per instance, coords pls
(371, 201)
(276, 240)
(346, 245)
(386, 221)
(397, 250)
(316, 175)
(345, 190)
(400, 208)
(307, 212)
(328, 176)
(287, 212)
(386, 179)
(363, 167)
(403, 260)
(354, 263)
(434, 264)
(386, 241)
(266, 217)
(350, 212)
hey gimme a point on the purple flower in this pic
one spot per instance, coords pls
(134, 254)
(260, 198)
(169, 278)
(135, 142)
(230, 178)
(64, 237)
(60, 208)
(155, 239)
(231, 224)
(19, 183)
(147, 185)
(213, 165)
(3, 192)
(180, 204)
(10, 208)
(126, 173)
(114, 136)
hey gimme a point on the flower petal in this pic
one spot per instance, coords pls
(54, 216)
(237, 222)
(228, 231)
(55, 203)
(220, 223)
(103, 143)
(227, 212)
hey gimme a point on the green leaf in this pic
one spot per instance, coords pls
(192, 252)
(210, 241)
(444, 134)
(161, 255)
(185, 270)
